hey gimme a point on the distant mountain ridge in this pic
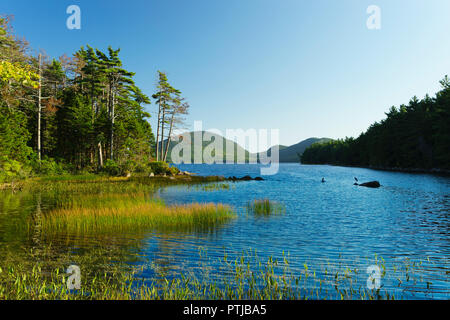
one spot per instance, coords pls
(287, 154)
(221, 153)
(293, 153)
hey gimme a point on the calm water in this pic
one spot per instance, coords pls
(333, 224)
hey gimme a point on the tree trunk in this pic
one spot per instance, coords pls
(100, 155)
(157, 131)
(39, 111)
(162, 132)
(112, 128)
(169, 136)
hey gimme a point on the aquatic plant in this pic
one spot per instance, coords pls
(135, 211)
(245, 277)
(265, 207)
(215, 187)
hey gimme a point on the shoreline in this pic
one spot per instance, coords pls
(437, 171)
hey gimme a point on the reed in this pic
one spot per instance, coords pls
(243, 278)
(90, 183)
(136, 211)
(215, 187)
(265, 207)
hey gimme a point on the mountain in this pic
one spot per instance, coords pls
(294, 152)
(287, 154)
(237, 148)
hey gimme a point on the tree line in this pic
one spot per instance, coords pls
(412, 136)
(80, 112)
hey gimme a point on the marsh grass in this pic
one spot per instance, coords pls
(265, 207)
(107, 213)
(99, 203)
(215, 187)
(243, 278)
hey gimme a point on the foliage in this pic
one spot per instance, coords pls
(22, 75)
(91, 110)
(416, 135)
(159, 167)
(111, 168)
(12, 170)
(174, 171)
(48, 166)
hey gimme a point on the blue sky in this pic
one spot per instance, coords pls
(308, 68)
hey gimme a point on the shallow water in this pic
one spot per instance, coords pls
(330, 225)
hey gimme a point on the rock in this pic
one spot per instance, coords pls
(371, 184)
(245, 178)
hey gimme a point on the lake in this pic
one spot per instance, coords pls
(326, 227)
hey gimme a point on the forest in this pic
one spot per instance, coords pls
(79, 113)
(412, 136)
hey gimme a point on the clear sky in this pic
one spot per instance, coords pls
(308, 68)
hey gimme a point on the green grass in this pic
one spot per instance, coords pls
(265, 207)
(215, 187)
(100, 203)
(88, 182)
(131, 212)
(244, 278)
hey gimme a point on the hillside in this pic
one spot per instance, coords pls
(294, 152)
(223, 155)
(287, 153)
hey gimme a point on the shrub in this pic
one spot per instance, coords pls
(159, 167)
(49, 167)
(111, 168)
(12, 169)
(174, 171)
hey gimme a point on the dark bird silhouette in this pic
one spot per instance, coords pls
(323, 179)
(356, 179)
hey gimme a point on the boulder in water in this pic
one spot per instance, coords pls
(371, 184)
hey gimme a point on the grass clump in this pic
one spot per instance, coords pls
(132, 212)
(265, 207)
(216, 187)
(243, 278)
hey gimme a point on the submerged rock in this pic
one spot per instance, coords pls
(371, 184)
(245, 178)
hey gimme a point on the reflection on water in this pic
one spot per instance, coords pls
(327, 226)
